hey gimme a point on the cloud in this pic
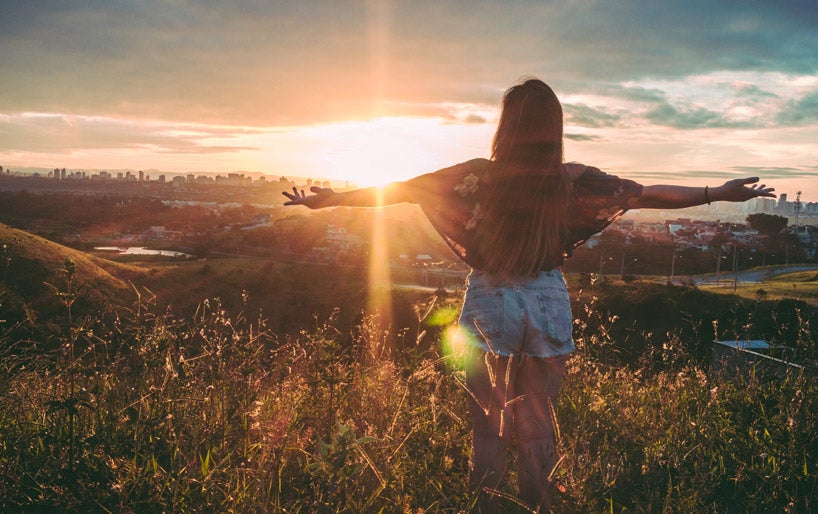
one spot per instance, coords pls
(634, 93)
(692, 118)
(278, 62)
(55, 133)
(582, 137)
(766, 173)
(803, 111)
(753, 91)
(475, 118)
(587, 116)
(772, 172)
(674, 175)
(460, 113)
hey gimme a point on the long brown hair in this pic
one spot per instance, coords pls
(524, 229)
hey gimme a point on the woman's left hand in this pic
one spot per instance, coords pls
(740, 190)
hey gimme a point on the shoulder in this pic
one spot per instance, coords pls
(476, 166)
(452, 175)
(578, 172)
(590, 180)
(573, 170)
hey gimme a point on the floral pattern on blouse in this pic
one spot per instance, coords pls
(468, 185)
(477, 214)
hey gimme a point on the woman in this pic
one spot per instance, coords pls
(514, 219)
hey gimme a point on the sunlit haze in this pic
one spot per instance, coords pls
(371, 92)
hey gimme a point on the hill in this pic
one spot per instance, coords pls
(290, 295)
(28, 263)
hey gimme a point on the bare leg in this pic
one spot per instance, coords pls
(486, 377)
(538, 382)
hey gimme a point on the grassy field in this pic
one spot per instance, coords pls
(216, 413)
(302, 402)
(802, 285)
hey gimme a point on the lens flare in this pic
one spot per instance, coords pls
(455, 343)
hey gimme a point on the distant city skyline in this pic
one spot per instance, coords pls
(809, 205)
(373, 91)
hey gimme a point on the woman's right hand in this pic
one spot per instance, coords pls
(740, 190)
(321, 197)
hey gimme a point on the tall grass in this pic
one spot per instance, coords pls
(139, 411)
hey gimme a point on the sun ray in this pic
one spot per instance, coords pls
(380, 284)
(379, 302)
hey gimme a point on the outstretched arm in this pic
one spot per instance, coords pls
(366, 197)
(679, 197)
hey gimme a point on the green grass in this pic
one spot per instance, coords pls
(29, 262)
(802, 285)
(24, 245)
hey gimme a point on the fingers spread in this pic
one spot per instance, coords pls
(293, 197)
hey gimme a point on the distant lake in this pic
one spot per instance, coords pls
(138, 250)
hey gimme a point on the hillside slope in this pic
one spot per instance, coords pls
(28, 262)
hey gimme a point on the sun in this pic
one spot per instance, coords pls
(380, 151)
(371, 152)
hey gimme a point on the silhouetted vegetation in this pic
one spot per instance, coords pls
(768, 224)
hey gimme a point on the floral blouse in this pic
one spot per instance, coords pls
(450, 198)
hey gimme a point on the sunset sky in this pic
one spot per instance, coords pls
(690, 92)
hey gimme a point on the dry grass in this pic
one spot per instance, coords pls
(215, 413)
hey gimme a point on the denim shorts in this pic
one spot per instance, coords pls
(530, 316)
